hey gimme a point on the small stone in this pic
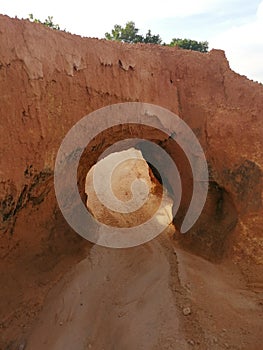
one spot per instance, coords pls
(191, 342)
(186, 311)
(215, 340)
(107, 278)
(60, 323)
(22, 346)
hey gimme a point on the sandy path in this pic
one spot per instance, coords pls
(114, 299)
(134, 299)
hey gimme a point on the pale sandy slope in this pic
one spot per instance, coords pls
(114, 299)
(134, 299)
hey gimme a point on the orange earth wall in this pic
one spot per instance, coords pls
(51, 79)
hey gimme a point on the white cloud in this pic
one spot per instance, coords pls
(146, 8)
(94, 18)
(244, 46)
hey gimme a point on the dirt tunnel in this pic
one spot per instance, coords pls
(150, 296)
(209, 236)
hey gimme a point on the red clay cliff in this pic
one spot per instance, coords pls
(51, 79)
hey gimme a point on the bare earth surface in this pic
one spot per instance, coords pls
(140, 298)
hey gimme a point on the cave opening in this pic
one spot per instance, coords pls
(210, 234)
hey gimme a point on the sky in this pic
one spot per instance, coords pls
(235, 26)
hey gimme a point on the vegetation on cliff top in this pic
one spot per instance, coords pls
(48, 22)
(129, 34)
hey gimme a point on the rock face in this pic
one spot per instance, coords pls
(123, 193)
(49, 80)
(144, 200)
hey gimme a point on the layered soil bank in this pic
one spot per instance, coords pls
(49, 80)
